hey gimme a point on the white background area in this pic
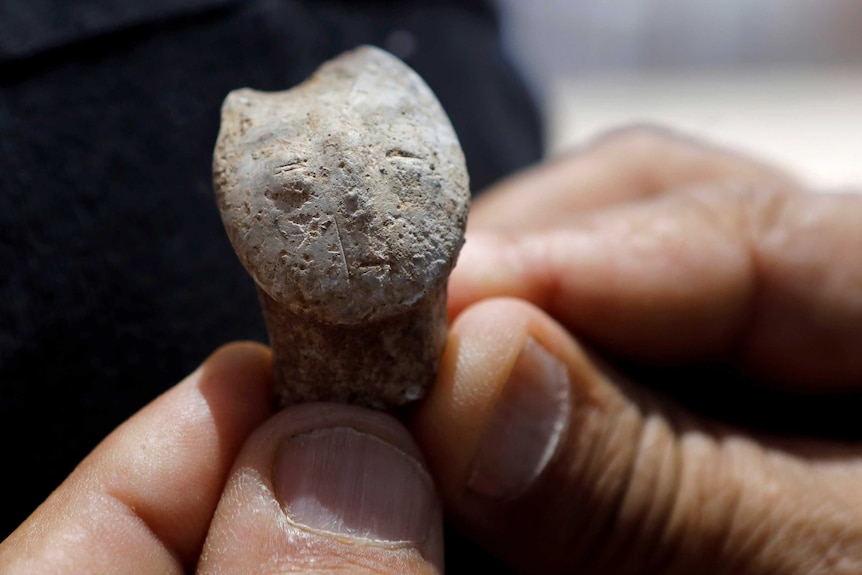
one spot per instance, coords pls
(780, 79)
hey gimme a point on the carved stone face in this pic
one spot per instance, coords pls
(346, 197)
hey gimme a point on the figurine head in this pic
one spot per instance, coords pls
(346, 197)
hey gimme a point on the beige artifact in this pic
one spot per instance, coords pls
(346, 198)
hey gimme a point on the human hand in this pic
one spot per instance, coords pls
(665, 252)
(206, 479)
(580, 469)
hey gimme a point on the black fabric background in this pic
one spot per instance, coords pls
(116, 277)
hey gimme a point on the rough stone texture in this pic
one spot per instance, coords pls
(346, 199)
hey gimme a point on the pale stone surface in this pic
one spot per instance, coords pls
(346, 199)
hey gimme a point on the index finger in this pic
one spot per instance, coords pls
(756, 275)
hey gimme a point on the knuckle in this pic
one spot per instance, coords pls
(744, 209)
(640, 138)
(764, 204)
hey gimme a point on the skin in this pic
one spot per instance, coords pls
(645, 247)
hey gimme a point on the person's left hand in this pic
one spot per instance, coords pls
(201, 480)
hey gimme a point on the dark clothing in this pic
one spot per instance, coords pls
(116, 276)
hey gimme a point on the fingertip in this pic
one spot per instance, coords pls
(466, 279)
(481, 347)
(327, 487)
(487, 343)
(248, 357)
(494, 265)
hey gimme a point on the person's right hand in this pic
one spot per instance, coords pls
(665, 252)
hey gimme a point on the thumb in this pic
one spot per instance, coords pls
(556, 466)
(327, 488)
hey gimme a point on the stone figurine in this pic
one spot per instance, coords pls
(346, 200)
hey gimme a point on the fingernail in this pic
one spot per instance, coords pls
(526, 426)
(352, 484)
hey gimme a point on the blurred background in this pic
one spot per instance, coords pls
(781, 79)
